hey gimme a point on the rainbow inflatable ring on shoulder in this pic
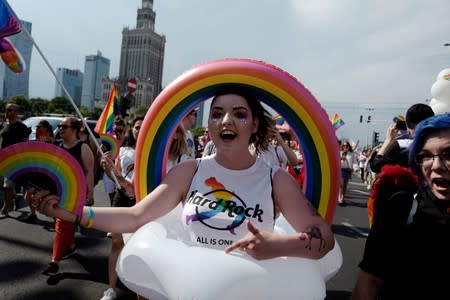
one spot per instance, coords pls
(158, 264)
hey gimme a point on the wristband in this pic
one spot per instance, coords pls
(91, 216)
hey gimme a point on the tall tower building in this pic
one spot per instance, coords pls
(142, 56)
(72, 81)
(96, 67)
(16, 84)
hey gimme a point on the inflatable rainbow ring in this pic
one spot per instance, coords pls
(274, 87)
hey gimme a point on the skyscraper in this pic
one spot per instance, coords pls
(142, 56)
(15, 84)
(96, 67)
(72, 81)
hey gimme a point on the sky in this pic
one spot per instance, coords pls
(356, 57)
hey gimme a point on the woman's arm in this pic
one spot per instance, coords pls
(159, 202)
(313, 239)
(88, 163)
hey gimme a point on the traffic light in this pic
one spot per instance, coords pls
(369, 118)
(375, 138)
(360, 119)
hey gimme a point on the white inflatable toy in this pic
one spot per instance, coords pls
(440, 92)
(157, 264)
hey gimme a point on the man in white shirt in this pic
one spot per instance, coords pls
(189, 122)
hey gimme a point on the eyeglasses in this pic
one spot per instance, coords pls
(9, 110)
(427, 159)
(63, 126)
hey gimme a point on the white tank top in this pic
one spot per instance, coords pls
(220, 200)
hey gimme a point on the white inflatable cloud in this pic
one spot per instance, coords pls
(440, 93)
(155, 263)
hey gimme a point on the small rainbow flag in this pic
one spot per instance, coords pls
(9, 24)
(278, 120)
(111, 110)
(337, 121)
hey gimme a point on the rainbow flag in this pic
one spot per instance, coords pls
(278, 119)
(9, 24)
(337, 121)
(111, 110)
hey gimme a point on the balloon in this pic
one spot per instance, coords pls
(444, 74)
(155, 263)
(441, 90)
(440, 107)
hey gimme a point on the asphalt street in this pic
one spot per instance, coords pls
(25, 250)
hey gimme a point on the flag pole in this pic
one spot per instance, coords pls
(99, 149)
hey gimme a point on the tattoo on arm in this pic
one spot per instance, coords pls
(310, 234)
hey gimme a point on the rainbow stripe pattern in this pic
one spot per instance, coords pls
(278, 120)
(110, 111)
(110, 144)
(11, 57)
(336, 121)
(54, 162)
(274, 87)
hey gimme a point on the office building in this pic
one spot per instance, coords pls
(96, 67)
(17, 84)
(72, 80)
(142, 56)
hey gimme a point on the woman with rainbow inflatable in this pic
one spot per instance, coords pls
(236, 120)
(230, 200)
(220, 192)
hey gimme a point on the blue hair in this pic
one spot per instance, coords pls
(423, 130)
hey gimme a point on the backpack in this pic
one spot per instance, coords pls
(391, 181)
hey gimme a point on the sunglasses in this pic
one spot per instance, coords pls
(9, 109)
(63, 126)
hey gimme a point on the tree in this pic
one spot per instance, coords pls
(22, 102)
(62, 106)
(39, 106)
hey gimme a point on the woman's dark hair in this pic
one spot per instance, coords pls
(48, 127)
(261, 137)
(130, 141)
(76, 125)
(423, 130)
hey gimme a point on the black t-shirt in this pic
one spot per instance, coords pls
(413, 259)
(14, 133)
(394, 155)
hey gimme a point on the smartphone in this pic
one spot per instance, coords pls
(400, 125)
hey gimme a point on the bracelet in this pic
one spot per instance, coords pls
(91, 216)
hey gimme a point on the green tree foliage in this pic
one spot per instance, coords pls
(22, 102)
(39, 106)
(61, 105)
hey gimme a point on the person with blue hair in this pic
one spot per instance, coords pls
(406, 252)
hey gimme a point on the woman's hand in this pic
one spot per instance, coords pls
(43, 202)
(259, 244)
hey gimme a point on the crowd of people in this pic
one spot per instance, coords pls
(242, 150)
